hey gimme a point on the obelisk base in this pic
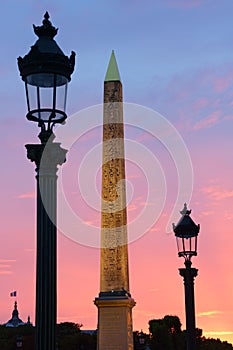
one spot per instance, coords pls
(115, 328)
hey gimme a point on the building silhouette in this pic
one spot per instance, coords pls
(15, 321)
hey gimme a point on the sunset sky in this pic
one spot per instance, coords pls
(175, 57)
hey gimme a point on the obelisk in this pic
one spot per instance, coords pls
(114, 302)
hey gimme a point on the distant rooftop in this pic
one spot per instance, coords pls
(15, 321)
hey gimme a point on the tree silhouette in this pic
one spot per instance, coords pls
(166, 334)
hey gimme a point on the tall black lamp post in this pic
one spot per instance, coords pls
(46, 72)
(186, 232)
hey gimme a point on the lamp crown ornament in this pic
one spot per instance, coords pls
(47, 29)
(45, 55)
(186, 226)
(185, 210)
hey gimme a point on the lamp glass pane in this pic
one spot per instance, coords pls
(179, 242)
(32, 97)
(61, 95)
(46, 80)
(46, 97)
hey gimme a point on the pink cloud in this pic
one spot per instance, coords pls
(154, 229)
(5, 272)
(228, 117)
(205, 93)
(5, 266)
(27, 195)
(7, 260)
(143, 137)
(132, 207)
(207, 213)
(148, 204)
(209, 313)
(217, 193)
(133, 176)
(212, 119)
(92, 223)
(222, 83)
(200, 103)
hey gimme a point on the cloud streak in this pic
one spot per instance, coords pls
(5, 266)
(209, 313)
(7, 260)
(217, 193)
(219, 333)
(209, 121)
(27, 195)
(197, 100)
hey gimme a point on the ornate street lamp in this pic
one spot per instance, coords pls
(186, 232)
(46, 72)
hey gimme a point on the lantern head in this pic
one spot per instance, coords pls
(46, 72)
(186, 232)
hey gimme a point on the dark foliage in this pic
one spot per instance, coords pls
(8, 337)
(166, 334)
(69, 336)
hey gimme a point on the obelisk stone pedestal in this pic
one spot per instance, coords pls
(115, 323)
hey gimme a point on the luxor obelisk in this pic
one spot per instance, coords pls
(114, 302)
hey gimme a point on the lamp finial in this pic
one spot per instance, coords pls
(47, 29)
(185, 210)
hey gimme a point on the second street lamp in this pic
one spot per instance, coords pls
(46, 72)
(186, 232)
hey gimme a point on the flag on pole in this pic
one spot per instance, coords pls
(13, 294)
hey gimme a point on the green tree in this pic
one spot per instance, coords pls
(166, 333)
(69, 336)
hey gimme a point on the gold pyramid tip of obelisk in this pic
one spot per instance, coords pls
(112, 73)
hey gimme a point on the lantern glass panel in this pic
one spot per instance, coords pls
(61, 95)
(180, 245)
(46, 97)
(187, 246)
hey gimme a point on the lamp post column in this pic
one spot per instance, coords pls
(47, 157)
(189, 273)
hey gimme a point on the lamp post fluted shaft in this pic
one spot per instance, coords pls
(47, 158)
(189, 274)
